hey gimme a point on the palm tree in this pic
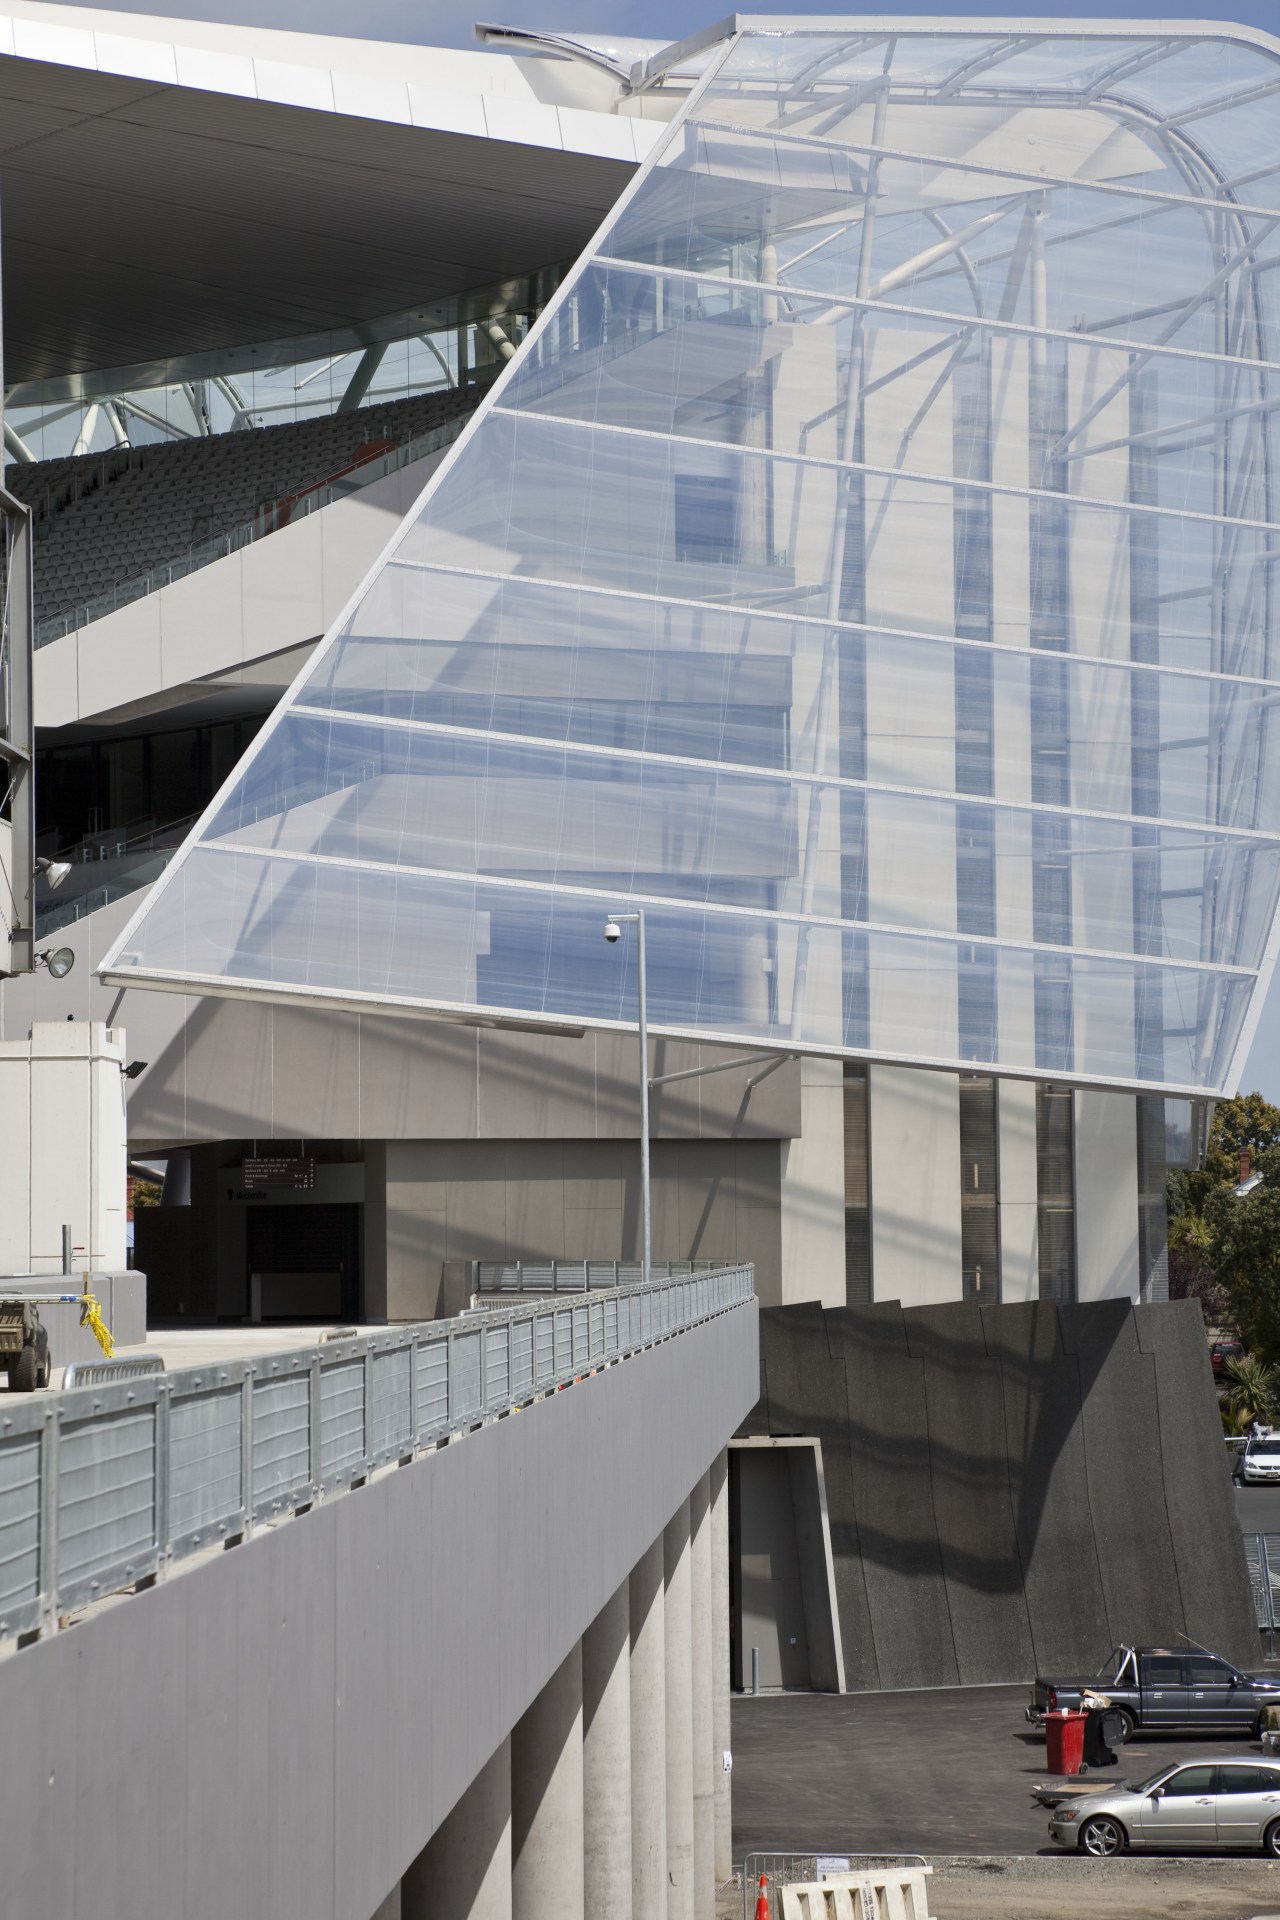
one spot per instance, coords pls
(1253, 1393)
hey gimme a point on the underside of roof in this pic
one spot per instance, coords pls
(148, 222)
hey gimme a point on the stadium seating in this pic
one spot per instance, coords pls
(104, 519)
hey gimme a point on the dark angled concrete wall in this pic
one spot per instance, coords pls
(1012, 1489)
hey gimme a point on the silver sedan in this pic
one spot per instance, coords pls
(1222, 1803)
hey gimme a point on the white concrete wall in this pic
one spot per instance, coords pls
(1018, 1191)
(914, 1126)
(1106, 1153)
(64, 1156)
(813, 1191)
(281, 592)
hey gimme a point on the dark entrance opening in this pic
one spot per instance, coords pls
(304, 1262)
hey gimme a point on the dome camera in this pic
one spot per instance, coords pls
(612, 932)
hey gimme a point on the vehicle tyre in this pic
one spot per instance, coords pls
(1271, 1839)
(22, 1374)
(1103, 1837)
(44, 1362)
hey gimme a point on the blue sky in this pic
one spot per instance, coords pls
(449, 23)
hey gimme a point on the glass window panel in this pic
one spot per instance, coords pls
(601, 508)
(1132, 266)
(674, 354)
(554, 663)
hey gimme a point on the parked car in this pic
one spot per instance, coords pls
(1258, 1465)
(1220, 1352)
(1158, 1687)
(1224, 1803)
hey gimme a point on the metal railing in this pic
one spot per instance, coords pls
(56, 626)
(110, 1484)
(574, 1276)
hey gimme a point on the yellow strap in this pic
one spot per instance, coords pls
(91, 1316)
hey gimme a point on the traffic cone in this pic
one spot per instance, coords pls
(762, 1900)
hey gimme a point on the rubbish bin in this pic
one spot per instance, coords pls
(1064, 1740)
(1102, 1726)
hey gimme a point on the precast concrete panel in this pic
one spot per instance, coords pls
(333, 1685)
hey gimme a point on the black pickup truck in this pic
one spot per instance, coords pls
(1155, 1687)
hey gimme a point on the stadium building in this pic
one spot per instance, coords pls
(840, 524)
(773, 537)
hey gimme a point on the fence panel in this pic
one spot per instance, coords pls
(431, 1360)
(342, 1437)
(521, 1358)
(206, 1491)
(106, 1491)
(497, 1365)
(281, 1440)
(391, 1416)
(20, 1519)
(464, 1376)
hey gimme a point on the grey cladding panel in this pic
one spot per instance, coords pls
(970, 1472)
(1049, 1487)
(911, 1638)
(1027, 1484)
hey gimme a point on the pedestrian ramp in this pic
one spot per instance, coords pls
(881, 1893)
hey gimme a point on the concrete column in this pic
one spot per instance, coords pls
(1106, 1171)
(546, 1801)
(648, 1738)
(465, 1868)
(721, 1733)
(702, 1663)
(606, 1759)
(914, 1129)
(677, 1557)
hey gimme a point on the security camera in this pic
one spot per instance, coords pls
(612, 932)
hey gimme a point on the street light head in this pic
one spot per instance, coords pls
(612, 932)
(59, 961)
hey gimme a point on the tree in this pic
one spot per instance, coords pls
(1246, 1124)
(1244, 1254)
(1253, 1393)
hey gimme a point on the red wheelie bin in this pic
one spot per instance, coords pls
(1064, 1740)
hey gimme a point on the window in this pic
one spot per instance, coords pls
(1162, 1670)
(857, 1217)
(1205, 1672)
(1190, 1781)
(706, 518)
(979, 1219)
(1248, 1780)
(1055, 1179)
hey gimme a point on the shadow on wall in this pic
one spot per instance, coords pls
(1012, 1489)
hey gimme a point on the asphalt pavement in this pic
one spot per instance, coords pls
(945, 1771)
(1258, 1509)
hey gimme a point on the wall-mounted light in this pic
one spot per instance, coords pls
(54, 871)
(134, 1068)
(59, 961)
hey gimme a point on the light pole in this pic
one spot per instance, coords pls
(613, 933)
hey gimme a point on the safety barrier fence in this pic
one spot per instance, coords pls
(1262, 1557)
(784, 1867)
(573, 1276)
(105, 1486)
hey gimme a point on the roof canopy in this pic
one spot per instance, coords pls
(866, 568)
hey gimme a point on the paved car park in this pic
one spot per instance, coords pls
(942, 1771)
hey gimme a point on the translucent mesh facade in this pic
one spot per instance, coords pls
(867, 565)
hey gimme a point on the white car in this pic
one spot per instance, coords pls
(1213, 1803)
(1259, 1464)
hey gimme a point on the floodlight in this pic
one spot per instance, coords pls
(59, 961)
(54, 871)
